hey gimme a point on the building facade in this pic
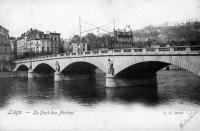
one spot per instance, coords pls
(55, 42)
(38, 42)
(4, 35)
(67, 45)
(123, 38)
(79, 47)
(21, 46)
(5, 63)
(33, 42)
(13, 47)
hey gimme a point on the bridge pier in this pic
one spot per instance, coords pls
(78, 77)
(30, 74)
(111, 80)
(57, 76)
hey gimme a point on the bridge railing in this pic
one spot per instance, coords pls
(125, 51)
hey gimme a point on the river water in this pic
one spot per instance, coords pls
(171, 103)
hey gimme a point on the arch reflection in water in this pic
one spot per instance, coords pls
(58, 92)
(141, 90)
(85, 92)
(147, 95)
(40, 90)
(90, 93)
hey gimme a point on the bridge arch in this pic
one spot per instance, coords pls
(93, 63)
(21, 67)
(80, 67)
(43, 68)
(144, 69)
(161, 61)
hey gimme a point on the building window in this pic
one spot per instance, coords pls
(83, 47)
(42, 49)
(5, 48)
(47, 49)
(37, 49)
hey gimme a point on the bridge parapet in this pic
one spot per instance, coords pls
(180, 50)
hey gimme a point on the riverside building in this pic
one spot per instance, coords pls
(35, 42)
(5, 50)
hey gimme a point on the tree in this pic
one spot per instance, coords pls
(90, 37)
(75, 39)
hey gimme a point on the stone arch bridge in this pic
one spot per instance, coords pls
(123, 62)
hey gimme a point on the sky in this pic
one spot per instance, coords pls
(62, 16)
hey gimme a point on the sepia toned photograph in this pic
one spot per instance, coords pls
(99, 65)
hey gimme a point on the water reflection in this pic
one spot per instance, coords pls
(88, 93)
(166, 88)
(39, 90)
(179, 86)
(85, 92)
(4, 91)
(145, 95)
(94, 92)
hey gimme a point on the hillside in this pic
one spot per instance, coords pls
(185, 33)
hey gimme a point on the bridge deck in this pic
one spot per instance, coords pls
(181, 50)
